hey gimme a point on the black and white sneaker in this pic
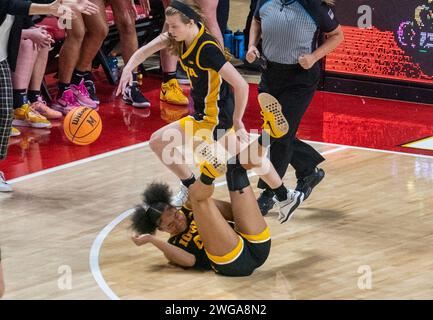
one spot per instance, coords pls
(134, 97)
(307, 183)
(266, 201)
(91, 89)
(287, 207)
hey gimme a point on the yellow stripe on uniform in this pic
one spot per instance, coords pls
(194, 43)
(214, 86)
(264, 236)
(229, 257)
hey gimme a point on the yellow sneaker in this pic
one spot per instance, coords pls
(171, 92)
(211, 161)
(15, 132)
(27, 117)
(274, 122)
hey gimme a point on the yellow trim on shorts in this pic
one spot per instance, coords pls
(229, 257)
(264, 236)
(201, 129)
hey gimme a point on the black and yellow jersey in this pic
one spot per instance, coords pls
(202, 61)
(190, 241)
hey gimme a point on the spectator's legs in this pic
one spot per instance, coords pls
(171, 92)
(209, 9)
(68, 58)
(34, 92)
(23, 114)
(124, 17)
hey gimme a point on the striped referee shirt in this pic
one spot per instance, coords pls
(290, 28)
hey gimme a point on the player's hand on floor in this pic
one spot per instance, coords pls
(141, 239)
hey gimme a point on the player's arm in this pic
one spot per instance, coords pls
(171, 252)
(146, 51)
(138, 57)
(240, 88)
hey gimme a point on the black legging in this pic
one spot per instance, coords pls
(223, 14)
(253, 6)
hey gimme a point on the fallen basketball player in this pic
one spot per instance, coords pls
(232, 238)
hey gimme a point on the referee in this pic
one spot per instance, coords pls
(291, 31)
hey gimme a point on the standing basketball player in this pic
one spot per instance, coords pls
(292, 75)
(217, 108)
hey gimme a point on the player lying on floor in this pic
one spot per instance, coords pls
(232, 238)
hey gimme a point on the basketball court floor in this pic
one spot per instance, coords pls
(365, 232)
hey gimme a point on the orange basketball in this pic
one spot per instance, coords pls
(82, 126)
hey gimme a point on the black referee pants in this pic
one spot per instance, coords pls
(294, 87)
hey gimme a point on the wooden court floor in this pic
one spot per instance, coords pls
(365, 233)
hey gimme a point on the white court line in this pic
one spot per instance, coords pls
(78, 162)
(97, 244)
(143, 144)
(94, 254)
(370, 149)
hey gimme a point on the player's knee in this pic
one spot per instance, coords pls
(76, 34)
(98, 32)
(237, 178)
(198, 193)
(155, 142)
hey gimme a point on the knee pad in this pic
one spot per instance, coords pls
(236, 175)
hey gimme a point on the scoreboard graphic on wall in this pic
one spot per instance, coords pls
(387, 39)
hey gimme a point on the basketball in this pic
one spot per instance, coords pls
(82, 126)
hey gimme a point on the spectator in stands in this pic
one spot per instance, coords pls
(83, 40)
(28, 68)
(9, 8)
(125, 14)
(292, 75)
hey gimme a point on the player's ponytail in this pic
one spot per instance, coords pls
(156, 199)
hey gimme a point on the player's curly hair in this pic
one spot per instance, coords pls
(156, 199)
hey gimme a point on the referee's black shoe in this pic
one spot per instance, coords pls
(266, 201)
(307, 183)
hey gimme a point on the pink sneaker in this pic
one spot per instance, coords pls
(66, 103)
(82, 95)
(41, 107)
